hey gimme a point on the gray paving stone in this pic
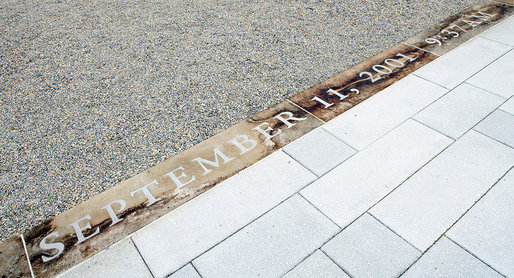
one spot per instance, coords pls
(501, 32)
(378, 115)
(447, 259)
(188, 231)
(430, 201)
(187, 271)
(271, 245)
(120, 260)
(508, 106)
(459, 110)
(461, 63)
(500, 126)
(367, 248)
(316, 265)
(350, 189)
(319, 151)
(487, 229)
(498, 77)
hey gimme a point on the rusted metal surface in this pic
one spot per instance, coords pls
(508, 2)
(13, 262)
(461, 27)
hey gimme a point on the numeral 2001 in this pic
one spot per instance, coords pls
(383, 70)
(379, 69)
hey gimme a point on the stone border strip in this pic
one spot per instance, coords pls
(75, 235)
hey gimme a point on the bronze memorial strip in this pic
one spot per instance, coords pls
(508, 2)
(461, 27)
(75, 235)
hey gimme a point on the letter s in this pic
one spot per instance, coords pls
(47, 246)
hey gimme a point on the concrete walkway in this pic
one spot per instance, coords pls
(416, 181)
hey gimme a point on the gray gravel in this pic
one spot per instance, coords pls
(93, 92)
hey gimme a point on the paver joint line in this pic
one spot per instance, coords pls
(300, 163)
(449, 228)
(421, 49)
(498, 58)
(342, 268)
(465, 82)
(467, 251)
(137, 249)
(305, 110)
(378, 220)
(27, 255)
(492, 138)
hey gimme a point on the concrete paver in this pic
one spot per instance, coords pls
(508, 106)
(430, 201)
(367, 248)
(498, 77)
(175, 239)
(317, 265)
(447, 259)
(187, 271)
(353, 187)
(459, 110)
(457, 65)
(319, 151)
(110, 263)
(498, 125)
(271, 245)
(486, 230)
(373, 118)
(501, 32)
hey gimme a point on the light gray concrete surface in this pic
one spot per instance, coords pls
(186, 232)
(459, 110)
(446, 259)
(316, 265)
(373, 118)
(508, 106)
(93, 92)
(353, 187)
(457, 65)
(319, 151)
(486, 230)
(498, 126)
(271, 245)
(367, 248)
(120, 260)
(187, 271)
(498, 77)
(502, 32)
(430, 201)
